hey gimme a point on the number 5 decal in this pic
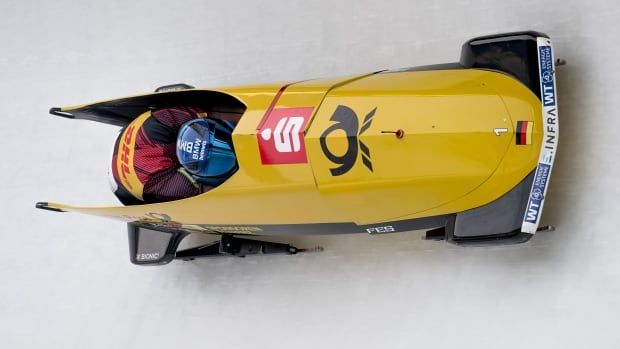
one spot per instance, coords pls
(280, 137)
(290, 134)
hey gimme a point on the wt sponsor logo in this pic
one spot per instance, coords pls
(280, 136)
(546, 76)
(538, 188)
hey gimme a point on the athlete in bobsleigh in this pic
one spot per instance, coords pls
(170, 154)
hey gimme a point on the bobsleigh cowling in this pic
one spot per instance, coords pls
(463, 150)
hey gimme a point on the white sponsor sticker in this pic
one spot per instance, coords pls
(548, 97)
(383, 229)
(150, 256)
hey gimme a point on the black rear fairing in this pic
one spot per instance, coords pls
(515, 54)
(496, 223)
(153, 245)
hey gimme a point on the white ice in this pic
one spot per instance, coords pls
(66, 281)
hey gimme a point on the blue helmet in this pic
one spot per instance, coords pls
(204, 149)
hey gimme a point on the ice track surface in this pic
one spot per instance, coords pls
(66, 278)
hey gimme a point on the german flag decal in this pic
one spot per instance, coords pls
(524, 132)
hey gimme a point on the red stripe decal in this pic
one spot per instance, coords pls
(272, 105)
(523, 134)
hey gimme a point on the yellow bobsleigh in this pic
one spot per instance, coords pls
(462, 150)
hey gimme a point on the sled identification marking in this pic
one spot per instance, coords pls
(383, 229)
(499, 131)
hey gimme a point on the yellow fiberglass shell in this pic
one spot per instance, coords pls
(457, 152)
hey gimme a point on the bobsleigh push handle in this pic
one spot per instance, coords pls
(58, 112)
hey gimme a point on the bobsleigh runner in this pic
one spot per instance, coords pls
(463, 150)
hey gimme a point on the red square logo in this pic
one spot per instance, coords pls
(281, 136)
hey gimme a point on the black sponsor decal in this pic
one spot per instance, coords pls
(159, 216)
(347, 120)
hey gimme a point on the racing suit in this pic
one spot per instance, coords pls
(144, 165)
